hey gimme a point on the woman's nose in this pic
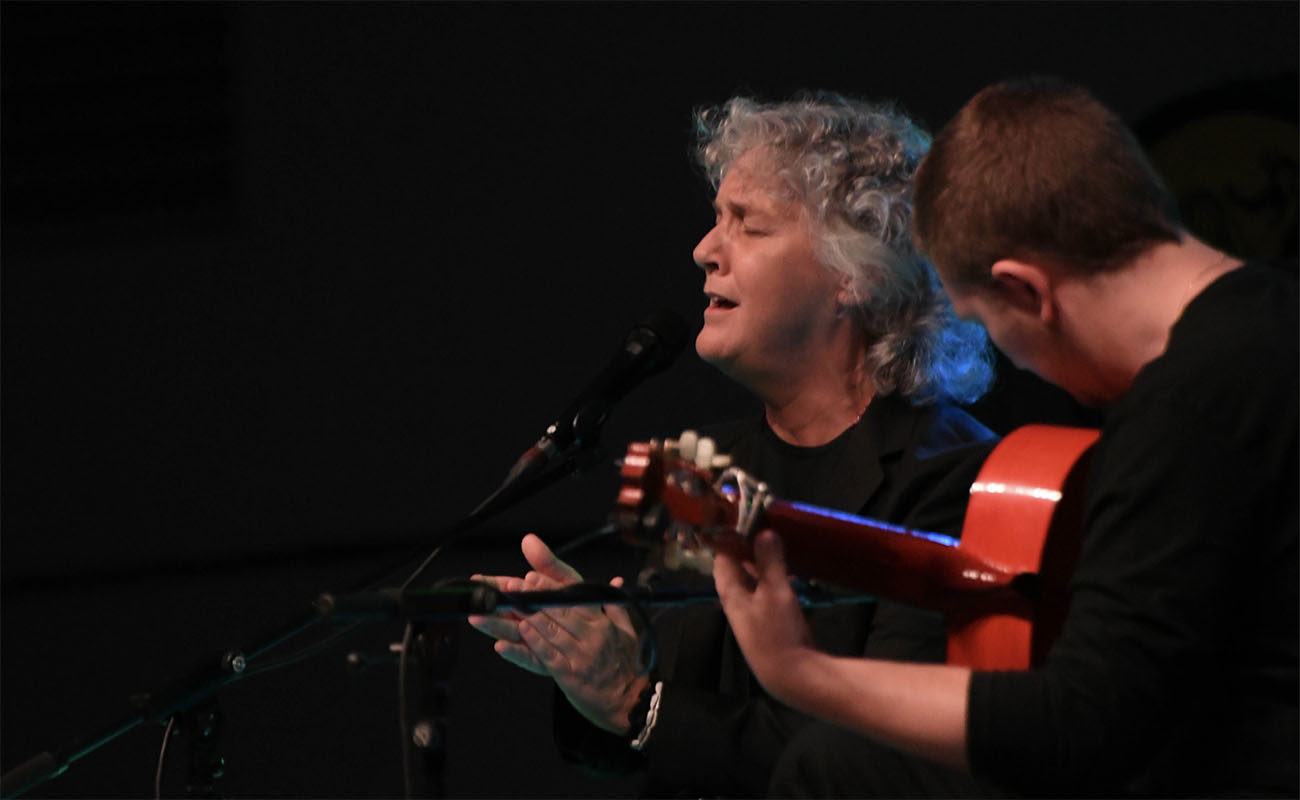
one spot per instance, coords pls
(706, 252)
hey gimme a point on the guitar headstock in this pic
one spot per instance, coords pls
(668, 498)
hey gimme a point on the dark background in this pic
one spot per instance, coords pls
(287, 287)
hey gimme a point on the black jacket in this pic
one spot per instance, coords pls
(718, 733)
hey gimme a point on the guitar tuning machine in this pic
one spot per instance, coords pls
(701, 451)
(686, 444)
(682, 549)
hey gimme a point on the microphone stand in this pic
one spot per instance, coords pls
(182, 694)
(433, 639)
(202, 681)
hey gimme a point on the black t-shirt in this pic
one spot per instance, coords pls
(1176, 673)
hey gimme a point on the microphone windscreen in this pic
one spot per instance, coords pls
(670, 332)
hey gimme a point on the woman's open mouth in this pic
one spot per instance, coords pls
(719, 303)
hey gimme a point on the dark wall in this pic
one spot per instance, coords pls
(286, 287)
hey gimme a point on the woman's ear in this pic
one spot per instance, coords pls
(845, 298)
(1026, 287)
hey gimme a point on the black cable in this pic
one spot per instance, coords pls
(423, 566)
(647, 650)
(607, 529)
(162, 755)
(303, 654)
(401, 709)
(506, 495)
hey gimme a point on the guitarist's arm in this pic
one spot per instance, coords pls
(920, 708)
(927, 490)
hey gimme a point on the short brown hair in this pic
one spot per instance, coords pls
(1038, 168)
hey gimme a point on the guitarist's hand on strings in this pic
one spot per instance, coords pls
(591, 654)
(764, 612)
(920, 708)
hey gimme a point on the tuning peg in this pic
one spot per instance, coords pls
(721, 461)
(686, 445)
(705, 449)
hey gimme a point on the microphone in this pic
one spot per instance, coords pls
(649, 347)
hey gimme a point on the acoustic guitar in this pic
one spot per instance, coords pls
(1002, 586)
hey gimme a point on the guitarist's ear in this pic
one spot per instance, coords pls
(1026, 287)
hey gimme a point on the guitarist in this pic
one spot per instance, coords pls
(1176, 671)
(818, 303)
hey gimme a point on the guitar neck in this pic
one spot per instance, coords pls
(923, 569)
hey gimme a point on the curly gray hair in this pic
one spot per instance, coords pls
(851, 165)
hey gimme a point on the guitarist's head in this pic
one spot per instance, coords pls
(1047, 223)
(1037, 168)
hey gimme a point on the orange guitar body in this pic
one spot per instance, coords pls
(1003, 587)
(1026, 515)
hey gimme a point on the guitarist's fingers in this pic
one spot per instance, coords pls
(769, 558)
(544, 561)
(730, 578)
